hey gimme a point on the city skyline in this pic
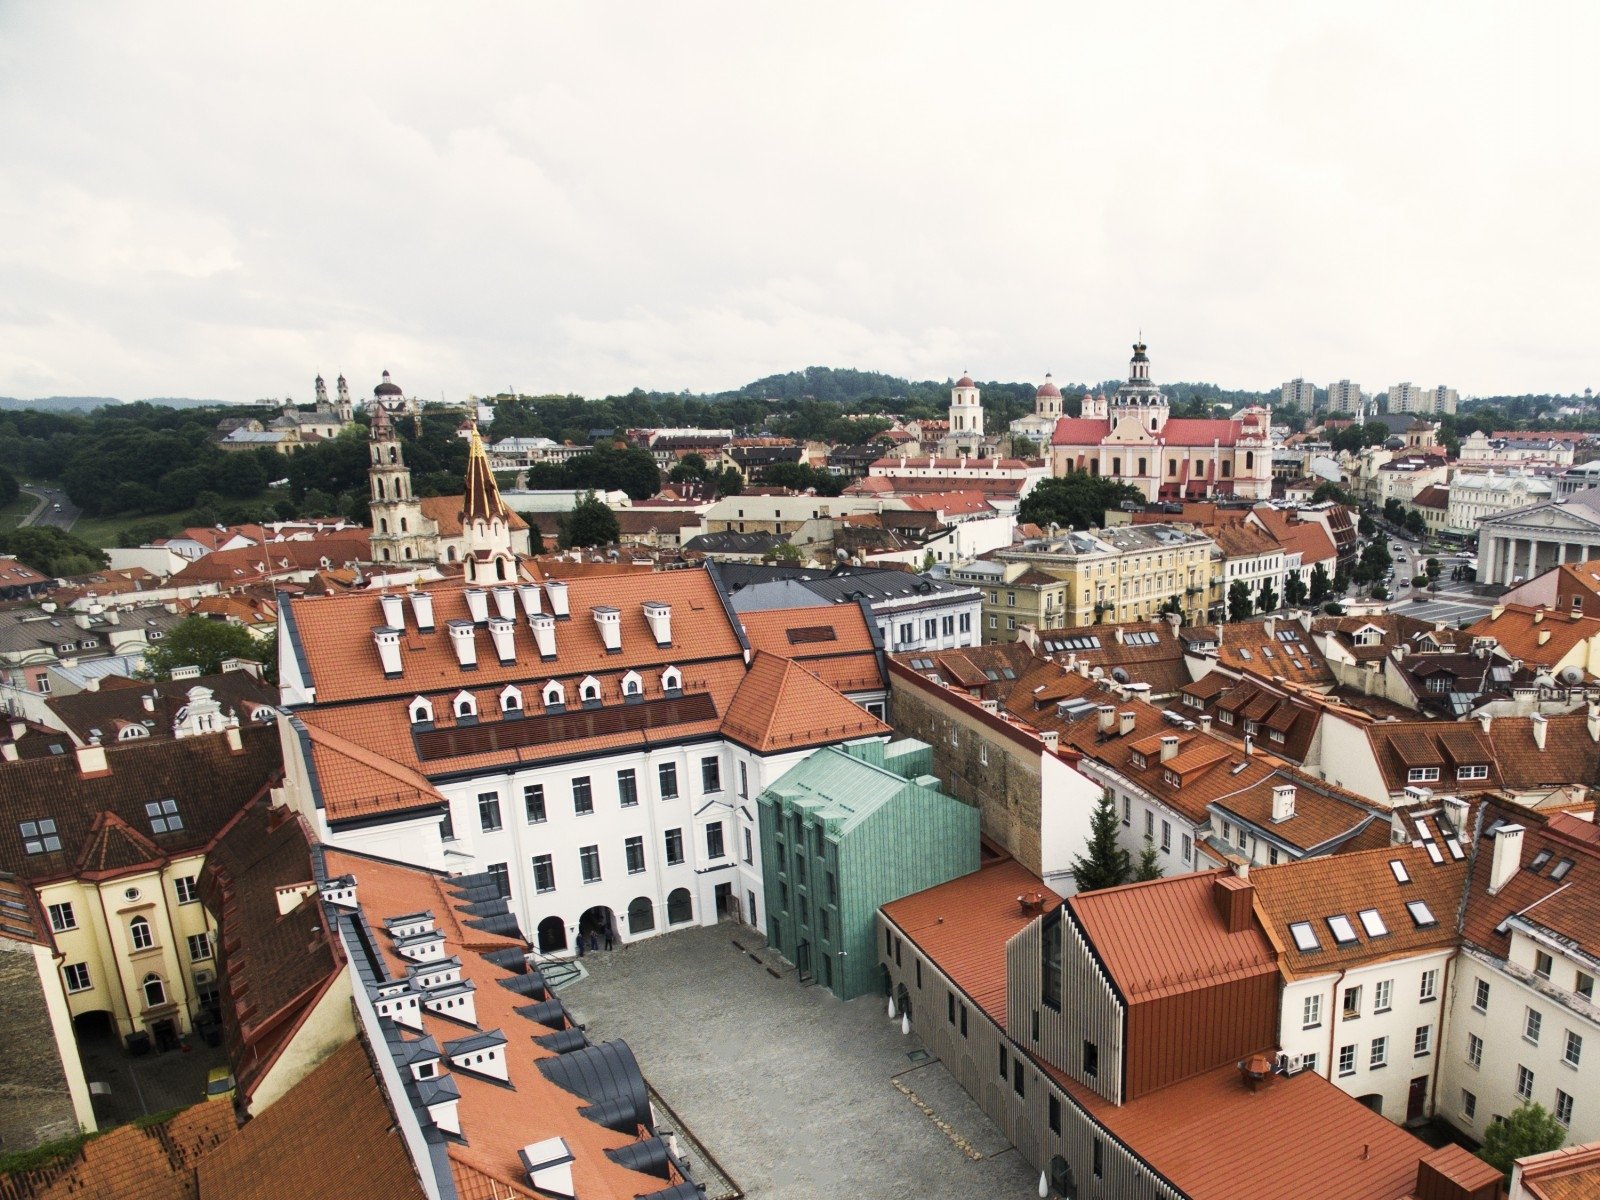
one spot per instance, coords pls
(224, 204)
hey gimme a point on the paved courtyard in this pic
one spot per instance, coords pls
(794, 1093)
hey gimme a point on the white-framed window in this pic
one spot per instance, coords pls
(667, 777)
(1382, 995)
(1474, 1050)
(553, 694)
(1469, 1104)
(632, 684)
(465, 704)
(1563, 1107)
(1347, 1060)
(1480, 998)
(139, 933)
(1524, 1083)
(1430, 984)
(1572, 1051)
(1311, 1011)
(62, 918)
(510, 699)
(672, 680)
(1422, 1043)
(199, 947)
(588, 689)
(77, 977)
(421, 711)
(1422, 775)
(1532, 1023)
(589, 863)
(1478, 771)
(1379, 1056)
(186, 888)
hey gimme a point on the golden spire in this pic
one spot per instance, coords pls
(481, 501)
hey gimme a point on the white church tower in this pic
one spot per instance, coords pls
(966, 421)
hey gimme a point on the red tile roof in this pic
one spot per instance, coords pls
(1535, 635)
(130, 1162)
(781, 706)
(963, 926)
(833, 642)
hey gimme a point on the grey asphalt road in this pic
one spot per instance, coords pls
(54, 509)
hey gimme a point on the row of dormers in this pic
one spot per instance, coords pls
(553, 697)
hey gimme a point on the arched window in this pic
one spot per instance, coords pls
(378, 485)
(421, 711)
(394, 454)
(405, 526)
(641, 915)
(554, 694)
(385, 553)
(680, 907)
(500, 568)
(139, 931)
(407, 551)
(465, 705)
(632, 684)
(450, 554)
(510, 700)
(383, 524)
(589, 689)
(672, 680)
(1249, 460)
(155, 991)
(130, 732)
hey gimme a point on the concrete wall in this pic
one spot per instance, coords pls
(330, 1024)
(42, 1092)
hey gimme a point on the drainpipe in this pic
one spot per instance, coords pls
(1333, 1023)
(179, 952)
(1438, 1040)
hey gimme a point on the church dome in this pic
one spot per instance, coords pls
(1048, 387)
(965, 381)
(387, 388)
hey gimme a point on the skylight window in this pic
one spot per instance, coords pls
(1433, 852)
(1539, 861)
(1421, 913)
(163, 816)
(1559, 871)
(39, 837)
(1305, 937)
(1343, 932)
(1372, 922)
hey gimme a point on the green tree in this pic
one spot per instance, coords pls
(1530, 1129)
(1380, 591)
(202, 643)
(1394, 512)
(52, 551)
(535, 539)
(1366, 526)
(1239, 603)
(1320, 584)
(1149, 865)
(1294, 589)
(1433, 568)
(1419, 582)
(1331, 491)
(1416, 524)
(784, 552)
(1267, 597)
(590, 523)
(1023, 447)
(10, 489)
(1078, 500)
(1172, 604)
(690, 467)
(728, 483)
(1103, 863)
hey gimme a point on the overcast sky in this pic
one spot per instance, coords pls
(225, 199)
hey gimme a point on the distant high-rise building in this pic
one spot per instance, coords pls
(1409, 398)
(1344, 397)
(1297, 393)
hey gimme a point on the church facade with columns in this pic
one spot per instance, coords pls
(1524, 543)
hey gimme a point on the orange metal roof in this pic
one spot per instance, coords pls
(963, 927)
(1166, 937)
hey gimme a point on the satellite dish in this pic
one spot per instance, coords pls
(1120, 675)
(1571, 674)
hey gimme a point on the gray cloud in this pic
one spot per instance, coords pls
(225, 199)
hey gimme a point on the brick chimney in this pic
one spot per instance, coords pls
(1507, 858)
(1234, 896)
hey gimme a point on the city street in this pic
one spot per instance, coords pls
(53, 509)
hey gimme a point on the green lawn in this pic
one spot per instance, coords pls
(11, 514)
(107, 532)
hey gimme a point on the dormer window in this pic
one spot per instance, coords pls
(464, 705)
(554, 696)
(1173, 778)
(130, 732)
(1137, 759)
(1422, 775)
(632, 684)
(589, 690)
(421, 712)
(510, 700)
(672, 680)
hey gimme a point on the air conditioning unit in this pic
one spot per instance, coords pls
(1291, 1064)
(204, 976)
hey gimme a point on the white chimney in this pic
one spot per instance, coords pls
(544, 633)
(549, 1167)
(1169, 746)
(1455, 811)
(505, 602)
(658, 616)
(1507, 856)
(463, 637)
(422, 609)
(1269, 627)
(235, 739)
(1540, 727)
(1050, 737)
(387, 638)
(477, 605)
(504, 632)
(1126, 721)
(1108, 717)
(9, 752)
(1282, 802)
(531, 598)
(92, 759)
(394, 609)
(610, 621)
(557, 591)
(989, 706)
(1205, 723)
(1594, 722)
(149, 701)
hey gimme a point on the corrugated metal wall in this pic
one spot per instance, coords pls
(1090, 1009)
(1025, 1120)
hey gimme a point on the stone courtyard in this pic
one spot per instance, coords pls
(794, 1094)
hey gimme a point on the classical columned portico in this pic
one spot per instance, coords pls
(1509, 556)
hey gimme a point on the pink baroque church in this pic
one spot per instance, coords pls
(1133, 438)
